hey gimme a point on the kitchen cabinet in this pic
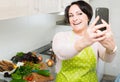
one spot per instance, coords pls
(17, 8)
(51, 6)
(47, 6)
(13, 8)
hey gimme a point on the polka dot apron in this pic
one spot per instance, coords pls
(81, 68)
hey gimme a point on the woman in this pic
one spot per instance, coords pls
(77, 51)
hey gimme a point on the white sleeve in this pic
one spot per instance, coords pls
(104, 56)
(63, 47)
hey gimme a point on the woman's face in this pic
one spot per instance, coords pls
(77, 19)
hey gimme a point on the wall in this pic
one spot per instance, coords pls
(114, 67)
(25, 34)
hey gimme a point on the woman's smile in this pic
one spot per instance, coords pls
(77, 23)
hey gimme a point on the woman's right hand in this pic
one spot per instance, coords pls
(93, 34)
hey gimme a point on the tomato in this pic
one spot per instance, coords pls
(30, 78)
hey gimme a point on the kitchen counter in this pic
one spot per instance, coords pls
(44, 52)
(45, 57)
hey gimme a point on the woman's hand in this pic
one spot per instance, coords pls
(92, 33)
(108, 42)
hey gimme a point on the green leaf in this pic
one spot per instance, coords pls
(20, 54)
(16, 76)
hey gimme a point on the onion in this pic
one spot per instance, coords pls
(50, 62)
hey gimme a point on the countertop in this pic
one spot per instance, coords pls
(45, 57)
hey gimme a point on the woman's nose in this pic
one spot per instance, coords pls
(75, 18)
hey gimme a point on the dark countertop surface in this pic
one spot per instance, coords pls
(108, 78)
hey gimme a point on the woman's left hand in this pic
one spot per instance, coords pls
(108, 42)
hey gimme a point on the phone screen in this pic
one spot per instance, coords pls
(104, 14)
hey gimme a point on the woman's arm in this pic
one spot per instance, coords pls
(104, 55)
(108, 44)
(63, 46)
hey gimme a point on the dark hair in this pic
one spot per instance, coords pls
(84, 6)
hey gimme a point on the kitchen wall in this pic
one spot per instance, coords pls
(114, 67)
(25, 34)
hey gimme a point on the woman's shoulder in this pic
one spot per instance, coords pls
(63, 34)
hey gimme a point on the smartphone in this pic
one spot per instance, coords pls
(104, 14)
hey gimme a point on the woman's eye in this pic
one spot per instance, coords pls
(80, 13)
(70, 15)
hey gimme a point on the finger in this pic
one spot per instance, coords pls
(95, 21)
(109, 35)
(107, 25)
(104, 22)
(100, 38)
(97, 27)
(99, 34)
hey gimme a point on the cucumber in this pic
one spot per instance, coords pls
(42, 72)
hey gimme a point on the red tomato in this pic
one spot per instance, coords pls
(30, 78)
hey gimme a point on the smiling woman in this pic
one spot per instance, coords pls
(77, 51)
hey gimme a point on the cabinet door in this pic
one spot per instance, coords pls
(47, 6)
(13, 8)
(7, 8)
(22, 7)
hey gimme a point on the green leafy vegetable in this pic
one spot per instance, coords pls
(18, 80)
(20, 54)
(16, 76)
(22, 71)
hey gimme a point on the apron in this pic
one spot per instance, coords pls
(80, 68)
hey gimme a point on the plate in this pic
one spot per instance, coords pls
(6, 64)
(7, 71)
